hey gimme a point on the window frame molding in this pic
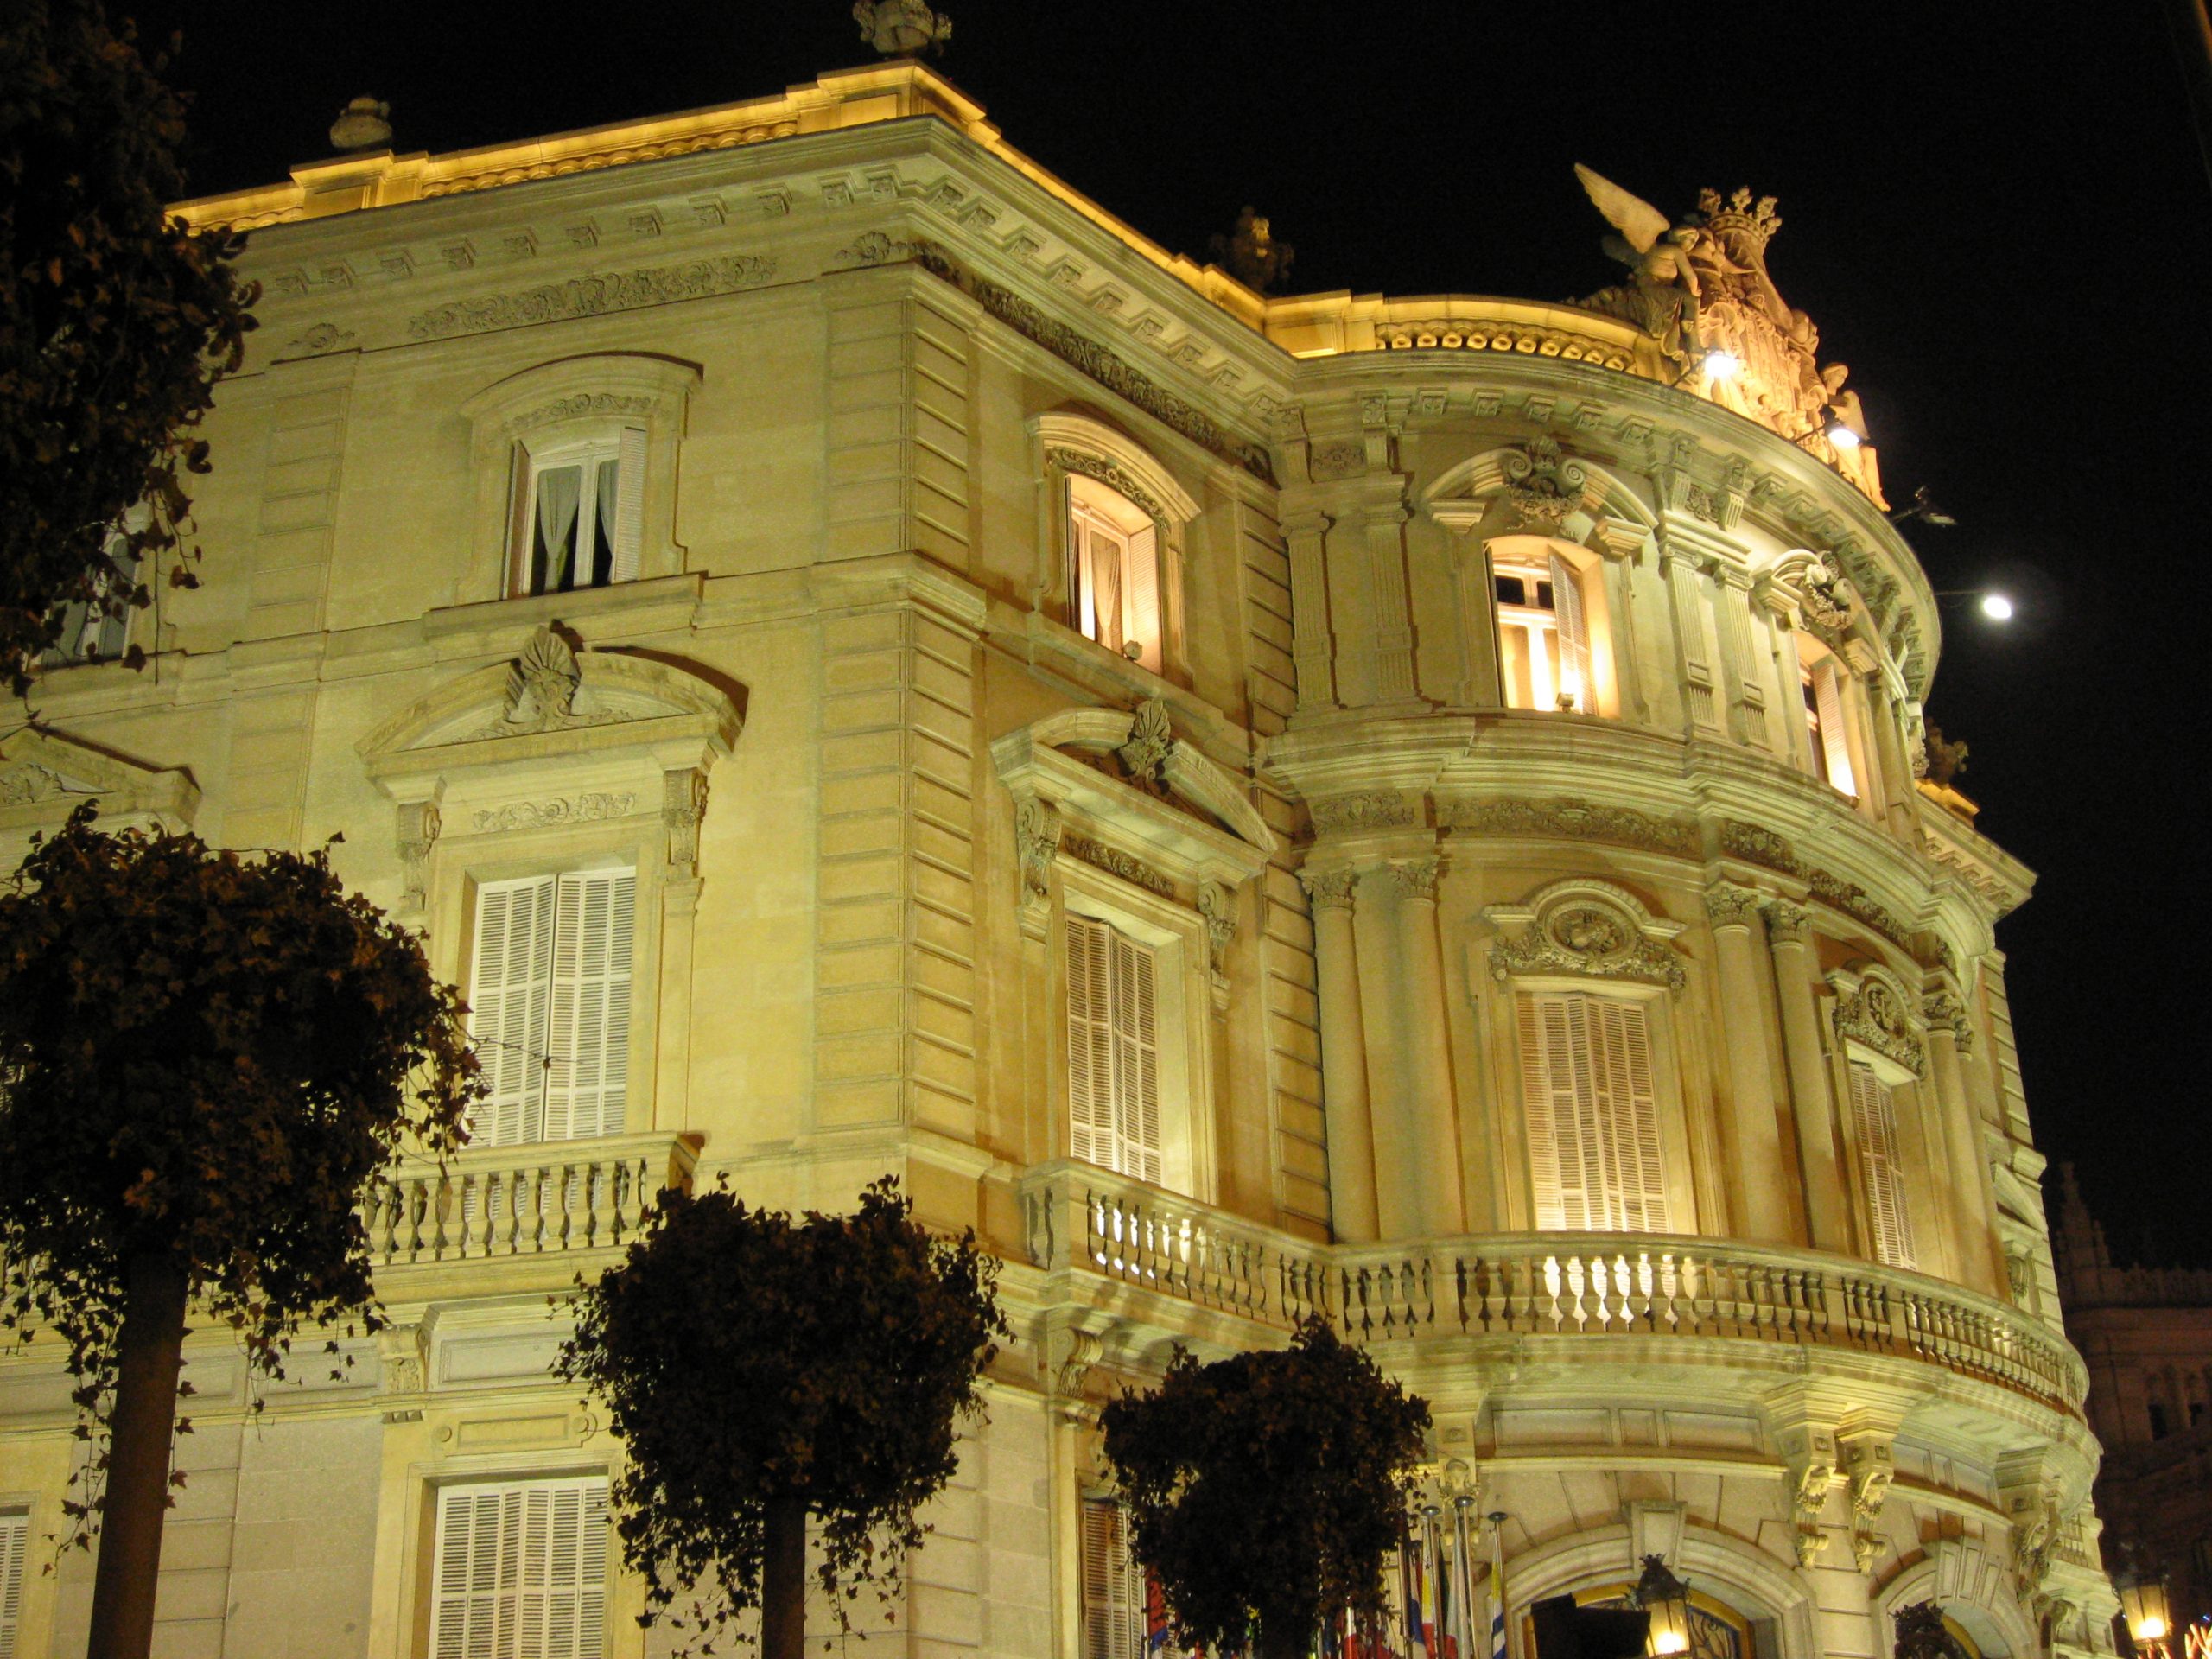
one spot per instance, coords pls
(1064, 443)
(589, 397)
(1895, 1050)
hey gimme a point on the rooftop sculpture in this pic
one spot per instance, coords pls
(1699, 286)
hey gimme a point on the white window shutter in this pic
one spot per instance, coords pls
(509, 990)
(593, 944)
(1136, 1059)
(1590, 1092)
(1142, 565)
(1090, 1042)
(629, 506)
(14, 1549)
(1113, 1596)
(1574, 635)
(1828, 692)
(521, 1571)
(520, 511)
(1874, 1112)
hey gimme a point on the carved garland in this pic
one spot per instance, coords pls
(1572, 820)
(544, 815)
(1377, 810)
(1114, 477)
(1758, 845)
(1589, 939)
(1114, 861)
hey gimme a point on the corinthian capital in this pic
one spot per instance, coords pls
(1330, 889)
(1788, 922)
(1417, 879)
(1729, 906)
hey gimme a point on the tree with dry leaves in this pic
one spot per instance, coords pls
(760, 1370)
(204, 1059)
(117, 318)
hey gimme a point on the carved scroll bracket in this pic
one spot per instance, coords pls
(418, 834)
(682, 806)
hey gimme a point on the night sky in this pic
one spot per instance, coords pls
(1997, 214)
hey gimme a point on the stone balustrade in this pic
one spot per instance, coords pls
(486, 1203)
(1590, 1285)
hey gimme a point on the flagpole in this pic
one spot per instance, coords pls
(1497, 1584)
(1463, 1568)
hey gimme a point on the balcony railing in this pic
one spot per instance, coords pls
(1593, 1285)
(488, 1202)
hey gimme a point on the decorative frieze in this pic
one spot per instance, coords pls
(1755, 844)
(584, 405)
(594, 808)
(1114, 861)
(1587, 930)
(1377, 809)
(1572, 820)
(591, 296)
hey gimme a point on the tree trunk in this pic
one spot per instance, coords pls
(150, 1349)
(1281, 1638)
(783, 1580)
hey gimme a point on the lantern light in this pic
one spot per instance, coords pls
(1721, 365)
(1665, 1601)
(2142, 1601)
(1841, 436)
(1997, 608)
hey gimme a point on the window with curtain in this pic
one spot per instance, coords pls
(549, 1000)
(1114, 571)
(1881, 1172)
(1113, 1585)
(1544, 634)
(15, 1550)
(579, 514)
(1113, 1050)
(1591, 1094)
(520, 1570)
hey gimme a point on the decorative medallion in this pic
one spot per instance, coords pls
(1875, 1015)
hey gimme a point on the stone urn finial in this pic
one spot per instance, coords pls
(366, 124)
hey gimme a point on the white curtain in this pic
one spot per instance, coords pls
(559, 489)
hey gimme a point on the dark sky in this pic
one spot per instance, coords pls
(1997, 214)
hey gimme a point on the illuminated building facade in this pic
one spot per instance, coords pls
(1397, 810)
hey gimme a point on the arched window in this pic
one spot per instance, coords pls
(579, 507)
(1550, 620)
(1114, 574)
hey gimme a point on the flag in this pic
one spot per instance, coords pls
(1419, 1633)
(1460, 1636)
(1497, 1592)
(1155, 1620)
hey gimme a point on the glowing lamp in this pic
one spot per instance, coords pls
(1997, 608)
(1722, 365)
(1665, 1601)
(2143, 1603)
(1841, 436)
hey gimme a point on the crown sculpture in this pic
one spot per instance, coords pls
(901, 29)
(1699, 289)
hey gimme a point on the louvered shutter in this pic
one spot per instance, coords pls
(1113, 1588)
(521, 1571)
(1136, 1059)
(14, 1548)
(594, 936)
(1874, 1115)
(518, 520)
(1574, 634)
(1828, 693)
(1143, 579)
(629, 505)
(509, 998)
(1591, 1102)
(1090, 1042)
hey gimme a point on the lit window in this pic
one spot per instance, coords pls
(521, 1571)
(1820, 687)
(1114, 571)
(1113, 1585)
(1588, 1086)
(88, 633)
(14, 1548)
(1873, 1111)
(1542, 635)
(550, 1002)
(578, 514)
(1113, 1050)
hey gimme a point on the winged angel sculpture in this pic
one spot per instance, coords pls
(1663, 292)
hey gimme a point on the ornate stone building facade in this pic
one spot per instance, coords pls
(2146, 1335)
(1399, 810)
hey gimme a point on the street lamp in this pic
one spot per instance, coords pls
(1722, 365)
(2143, 1604)
(1997, 607)
(1665, 1601)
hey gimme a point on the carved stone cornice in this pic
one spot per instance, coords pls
(1330, 889)
(1586, 929)
(591, 296)
(1571, 820)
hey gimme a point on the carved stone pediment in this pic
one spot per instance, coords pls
(1872, 1009)
(1585, 928)
(552, 698)
(45, 776)
(1124, 783)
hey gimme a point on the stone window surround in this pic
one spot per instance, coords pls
(1064, 443)
(570, 400)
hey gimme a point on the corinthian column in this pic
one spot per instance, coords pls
(1762, 1209)
(1348, 1122)
(1789, 937)
(1433, 1116)
(1980, 1255)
